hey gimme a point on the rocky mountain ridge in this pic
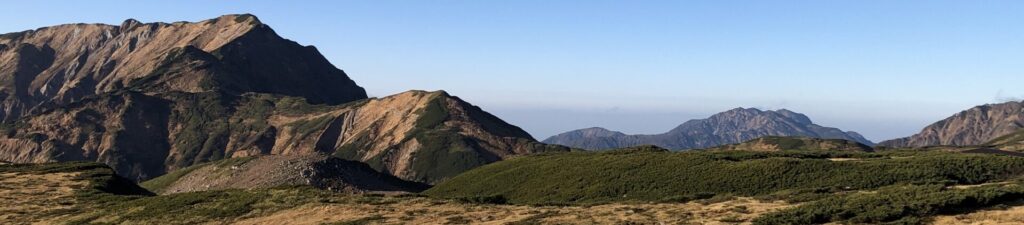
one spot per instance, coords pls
(233, 54)
(148, 99)
(416, 135)
(729, 127)
(974, 126)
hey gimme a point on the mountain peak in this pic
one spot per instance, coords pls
(241, 18)
(974, 126)
(233, 54)
(732, 126)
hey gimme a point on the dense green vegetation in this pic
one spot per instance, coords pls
(586, 178)
(900, 204)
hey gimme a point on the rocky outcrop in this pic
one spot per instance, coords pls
(232, 54)
(315, 170)
(729, 127)
(772, 144)
(416, 135)
(974, 126)
(152, 98)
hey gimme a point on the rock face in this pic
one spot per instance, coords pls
(771, 144)
(232, 54)
(316, 170)
(974, 126)
(416, 135)
(729, 127)
(148, 99)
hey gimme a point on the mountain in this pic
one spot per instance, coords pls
(729, 127)
(416, 135)
(316, 170)
(231, 54)
(772, 143)
(168, 96)
(974, 126)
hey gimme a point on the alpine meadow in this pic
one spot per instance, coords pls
(518, 112)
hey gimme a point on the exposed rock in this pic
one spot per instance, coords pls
(729, 127)
(974, 126)
(416, 135)
(150, 98)
(231, 54)
(316, 170)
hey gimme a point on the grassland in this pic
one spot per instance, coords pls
(592, 178)
(901, 187)
(639, 185)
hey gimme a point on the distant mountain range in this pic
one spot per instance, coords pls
(729, 127)
(975, 126)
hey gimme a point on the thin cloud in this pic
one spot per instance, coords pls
(1002, 97)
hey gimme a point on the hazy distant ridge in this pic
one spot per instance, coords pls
(729, 127)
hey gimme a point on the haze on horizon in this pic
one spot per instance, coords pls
(882, 68)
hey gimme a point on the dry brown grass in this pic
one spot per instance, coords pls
(429, 211)
(30, 198)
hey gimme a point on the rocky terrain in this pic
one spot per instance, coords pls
(795, 143)
(974, 126)
(233, 53)
(729, 127)
(419, 136)
(148, 99)
(269, 171)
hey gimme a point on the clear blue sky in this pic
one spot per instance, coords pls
(882, 68)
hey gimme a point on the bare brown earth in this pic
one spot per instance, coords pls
(270, 171)
(30, 198)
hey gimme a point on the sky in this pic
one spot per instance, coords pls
(884, 69)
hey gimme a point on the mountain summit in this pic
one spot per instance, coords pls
(973, 126)
(230, 54)
(148, 99)
(729, 127)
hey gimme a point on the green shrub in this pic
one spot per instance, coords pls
(587, 178)
(902, 204)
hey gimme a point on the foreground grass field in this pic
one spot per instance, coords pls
(650, 175)
(889, 187)
(634, 186)
(62, 196)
